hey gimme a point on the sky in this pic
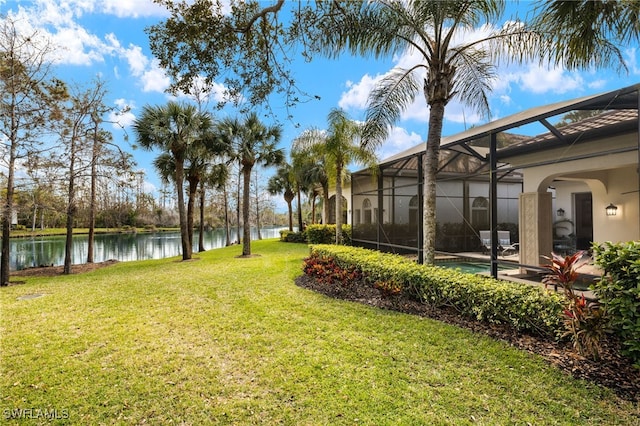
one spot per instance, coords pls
(106, 39)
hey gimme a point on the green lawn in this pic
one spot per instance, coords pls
(225, 340)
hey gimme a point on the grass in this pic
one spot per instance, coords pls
(226, 340)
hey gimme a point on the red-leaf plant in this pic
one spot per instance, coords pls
(326, 270)
(585, 322)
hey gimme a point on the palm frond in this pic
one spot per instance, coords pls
(391, 96)
(472, 82)
(586, 33)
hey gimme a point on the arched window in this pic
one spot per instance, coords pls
(366, 210)
(480, 213)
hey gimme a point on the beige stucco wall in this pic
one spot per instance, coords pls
(611, 178)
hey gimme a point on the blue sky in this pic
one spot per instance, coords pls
(106, 38)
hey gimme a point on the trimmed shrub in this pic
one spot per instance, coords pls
(619, 292)
(293, 237)
(524, 307)
(326, 234)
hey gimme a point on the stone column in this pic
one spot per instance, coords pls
(536, 228)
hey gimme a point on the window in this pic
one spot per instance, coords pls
(480, 213)
(366, 208)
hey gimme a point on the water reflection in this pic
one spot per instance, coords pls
(30, 252)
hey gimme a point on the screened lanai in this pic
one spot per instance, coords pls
(525, 173)
(387, 208)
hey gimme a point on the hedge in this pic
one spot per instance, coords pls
(619, 292)
(317, 234)
(524, 307)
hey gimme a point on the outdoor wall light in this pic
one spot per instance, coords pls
(560, 212)
(611, 210)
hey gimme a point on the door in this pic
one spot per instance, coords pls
(584, 220)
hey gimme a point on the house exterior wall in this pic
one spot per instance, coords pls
(610, 178)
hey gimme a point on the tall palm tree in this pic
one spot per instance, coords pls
(341, 146)
(253, 143)
(282, 183)
(315, 173)
(446, 69)
(173, 128)
(197, 170)
(310, 172)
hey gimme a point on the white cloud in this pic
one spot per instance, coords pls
(399, 140)
(505, 99)
(132, 8)
(632, 61)
(137, 60)
(155, 79)
(122, 116)
(556, 80)
(357, 94)
(78, 46)
(597, 84)
(75, 45)
(459, 113)
(418, 110)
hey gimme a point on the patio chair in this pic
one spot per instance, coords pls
(504, 242)
(485, 240)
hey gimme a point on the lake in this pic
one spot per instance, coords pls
(30, 252)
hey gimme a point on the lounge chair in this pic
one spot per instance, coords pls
(504, 242)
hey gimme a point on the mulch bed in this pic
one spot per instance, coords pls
(612, 371)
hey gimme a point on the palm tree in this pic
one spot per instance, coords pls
(446, 70)
(197, 170)
(173, 128)
(340, 145)
(587, 33)
(308, 168)
(315, 173)
(253, 143)
(282, 183)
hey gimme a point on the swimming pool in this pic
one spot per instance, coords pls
(469, 266)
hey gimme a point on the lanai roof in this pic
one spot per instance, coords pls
(621, 115)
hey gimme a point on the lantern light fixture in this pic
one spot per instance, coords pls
(611, 210)
(560, 212)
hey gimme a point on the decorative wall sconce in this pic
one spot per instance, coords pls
(611, 210)
(560, 212)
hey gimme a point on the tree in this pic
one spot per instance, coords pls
(216, 177)
(253, 143)
(173, 128)
(74, 114)
(282, 183)
(246, 48)
(312, 164)
(446, 69)
(100, 154)
(340, 144)
(587, 33)
(24, 70)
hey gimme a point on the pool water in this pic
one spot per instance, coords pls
(469, 266)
